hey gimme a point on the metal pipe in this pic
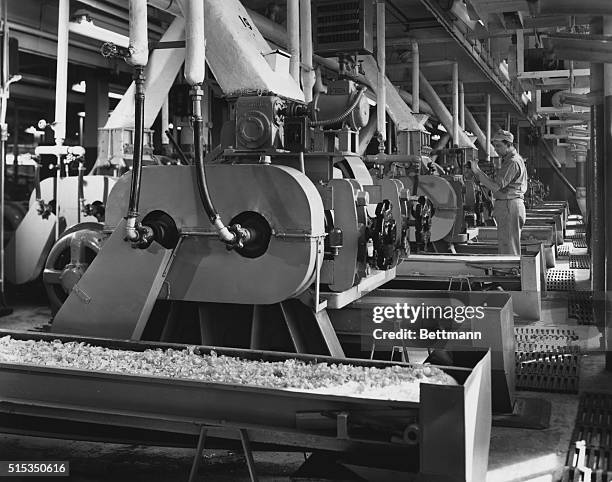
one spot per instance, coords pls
(195, 43)
(550, 157)
(308, 74)
(139, 43)
(415, 78)
(442, 113)
(461, 106)
(488, 128)
(165, 121)
(473, 126)
(455, 82)
(61, 76)
(139, 54)
(293, 32)
(424, 107)
(381, 95)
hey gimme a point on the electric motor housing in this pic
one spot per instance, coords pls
(259, 122)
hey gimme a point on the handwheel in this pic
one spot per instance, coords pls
(68, 260)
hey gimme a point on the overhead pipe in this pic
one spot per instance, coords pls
(61, 76)
(473, 126)
(424, 107)
(138, 58)
(442, 113)
(550, 157)
(308, 74)
(455, 82)
(416, 108)
(293, 32)
(381, 95)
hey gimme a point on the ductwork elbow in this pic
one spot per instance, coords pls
(139, 42)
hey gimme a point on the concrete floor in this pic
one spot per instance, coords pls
(515, 454)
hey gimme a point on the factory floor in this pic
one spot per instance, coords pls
(515, 454)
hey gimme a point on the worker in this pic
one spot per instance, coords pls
(508, 185)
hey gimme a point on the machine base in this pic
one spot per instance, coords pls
(528, 412)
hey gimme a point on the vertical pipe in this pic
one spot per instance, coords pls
(597, 214)
(4, 136)
(461, 106)
(165, 122)
(488, 127)
(308, 76)
(415, 78)
(455, 102)
(61, 76)
(293, 32)
(607, 30)
(139, 55)
(195, 43)
(381, 100)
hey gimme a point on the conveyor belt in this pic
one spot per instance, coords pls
(356, 429)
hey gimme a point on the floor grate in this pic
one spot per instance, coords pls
(580, 307)
(547, 359)
(575, 236)
(560, 280)
(564, 250)
(579, 243)
(590, 447)
(580, 261)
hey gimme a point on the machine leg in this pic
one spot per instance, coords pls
(248, 454)
(256, 328)
(195, 466)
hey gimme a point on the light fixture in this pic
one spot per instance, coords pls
(114, 95)
(81, 114)
(81, 87)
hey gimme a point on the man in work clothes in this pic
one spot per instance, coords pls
(508, 186)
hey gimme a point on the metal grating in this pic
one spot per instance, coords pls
(579, 243)
(589, 456)
(547, 359)
(560, 280)
(575, 236)
(580, 261)
(580, 307)
(564, 250)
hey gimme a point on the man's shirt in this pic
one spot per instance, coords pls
(511, 177)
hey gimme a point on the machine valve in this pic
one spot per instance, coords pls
(46, 209)
(242, 236)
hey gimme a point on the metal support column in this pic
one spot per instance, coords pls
(415, 78)
(455, 102)
(461, 106)
(607, 90)
(488, 127)
(381, 98)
